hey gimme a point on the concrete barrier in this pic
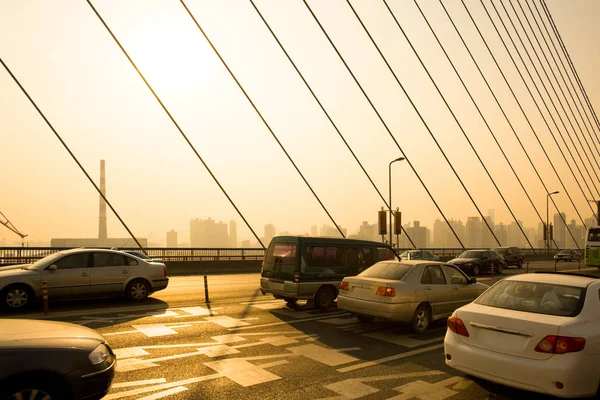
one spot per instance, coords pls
(175, 268)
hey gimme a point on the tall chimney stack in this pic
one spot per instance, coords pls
(102, 232)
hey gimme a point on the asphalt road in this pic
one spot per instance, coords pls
(243, 345)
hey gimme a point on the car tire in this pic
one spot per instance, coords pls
(16, 297)
(325, 297)
(24, 388)
(364, 318)
(499, 268)
(137, 290)
(421, 319)
(475, 270)
(290, 300)
(520, 264)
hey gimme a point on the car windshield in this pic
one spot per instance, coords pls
(389, 271)
(42, 262)
(535, 297)
(138, 254)
(471, 254)
(501, 251)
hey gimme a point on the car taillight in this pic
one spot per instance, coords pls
(457, 326)
(165, 270)
(262, 268)
(560, 344)
(385, 291)
(296, 276)
(344, 286)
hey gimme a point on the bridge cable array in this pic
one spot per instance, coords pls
(326, 113)
(174, 122)
(71, 153)
(541, 113)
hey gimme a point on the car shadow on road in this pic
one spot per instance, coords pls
(94, 313)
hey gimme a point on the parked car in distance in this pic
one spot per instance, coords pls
(419, 255)
(141, 255)
(567, 255)
(418, 292)
(538, 332)
(48, 360)
(475, 262)
(81, 273)
(512, 255)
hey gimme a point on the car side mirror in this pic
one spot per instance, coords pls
(473, 280)
(53, 267)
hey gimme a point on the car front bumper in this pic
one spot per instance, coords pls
(93, 383)
(394, 312)
(540, 376)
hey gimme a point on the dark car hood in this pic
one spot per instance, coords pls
(463, 260)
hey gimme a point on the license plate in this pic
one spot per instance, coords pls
(276, 286)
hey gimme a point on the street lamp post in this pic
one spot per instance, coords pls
(548, 222)
(390, 198)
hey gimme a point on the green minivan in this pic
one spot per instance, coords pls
(312, 268)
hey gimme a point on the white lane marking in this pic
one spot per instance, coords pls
(278, 340)
(242, 372)
(129, 352)
(133, 364)
(138, 383)
(390, 358)
(294, 314)
(228, 338)
(356, 388)
(226, 322)
(424, 390)
(174, 346)
(290, 322)
(401, 340)
(197, 311)
(120, 333)
(273, 364)
(166, 393)
(218, 351)
(154, 330)
(268, 306)
(184, 382)
(325, 356)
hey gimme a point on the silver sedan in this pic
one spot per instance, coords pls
(417, 292)
(81, 273)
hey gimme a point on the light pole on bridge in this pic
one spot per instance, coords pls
(390, 198)
(547, 227)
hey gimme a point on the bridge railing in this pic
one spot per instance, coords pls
(25, 255)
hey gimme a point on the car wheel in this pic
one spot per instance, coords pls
(499, 268)
(34, 389)
(476, 270)
(324, 298)
(520, 264)
(137, 290)
(16, 297)
(290, 300)
(364, 318)
(422, 319)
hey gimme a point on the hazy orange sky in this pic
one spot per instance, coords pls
(88, 90)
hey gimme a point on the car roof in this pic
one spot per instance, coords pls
(413, 263)
(86, 250)
(554, 279)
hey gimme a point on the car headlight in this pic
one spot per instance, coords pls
(469, 264)
(99, 355)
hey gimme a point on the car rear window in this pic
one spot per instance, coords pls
(390, 271)
(281, 253)
(534, 297)
(472, 254)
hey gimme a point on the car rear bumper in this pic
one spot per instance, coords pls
(394, 312)
(539, 376)
(160, 284)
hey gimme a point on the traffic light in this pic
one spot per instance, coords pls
(398, 222)
(382, 222)
(551, 232)
(545, 231)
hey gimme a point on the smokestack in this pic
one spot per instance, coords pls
(102, 233)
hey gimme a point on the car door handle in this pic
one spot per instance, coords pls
(427, 288)
(125, 271)
(84, 274)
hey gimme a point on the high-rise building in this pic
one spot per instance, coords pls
(208, 233)
(514, 236)
(270, 232)
(501, 233)
(331, 231)
(314, 230)
(443, 236)
(560, 230)
(487, 239)
(172, 239)
(420, 236)
(474, 232)
(233, 234)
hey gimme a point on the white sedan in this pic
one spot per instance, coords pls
(537, 332)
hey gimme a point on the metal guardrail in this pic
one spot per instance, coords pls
(24, 255)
